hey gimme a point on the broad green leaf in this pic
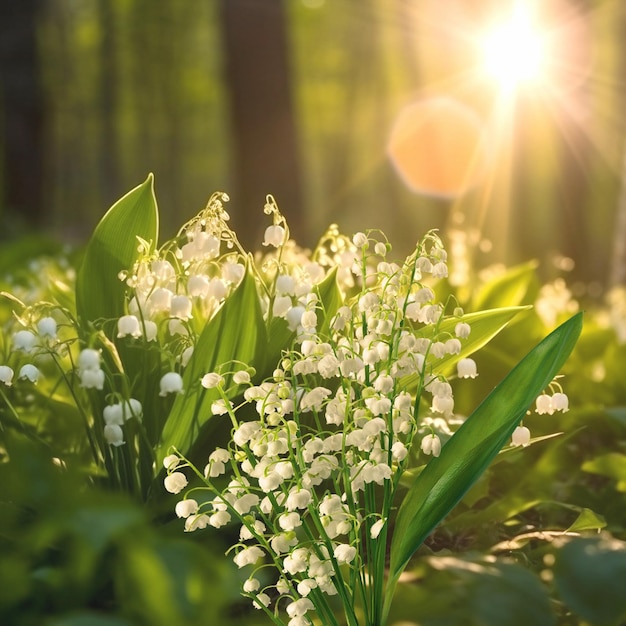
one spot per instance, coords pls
(509, 289)
(113, 248)
(589, 576)
(612, 464)
(587, 520)
(330, 298)
(236, 333)
(467, 454)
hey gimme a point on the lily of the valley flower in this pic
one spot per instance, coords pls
(6, 375)
(29, 372)
(431, 444)
(172, 382)
(274, 236)
(47, 328)
(24, 340)
(521, 437)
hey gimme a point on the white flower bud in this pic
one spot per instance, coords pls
(248, 556)
(431, 444)
(180, 307)
(299, 607)
(242, 377)
(212, 380)
(92, 379)
(219, 519)
(274, 236)
(29, 372)
(380, 248)
(171, 382)
(462, 330)
(376, 528)
(185, 357)
(171, 461)
(360, 240)
(185, 508)
(544, 404)
(466, 368)
(521, 437)
(560, 402)
(262, 599)
(24, 340)
(6, 375)
(113, 414)
(251, 585)
(344, 553)
(175, 482)
(89, 359)
(128, 325)
(114, 435)
(47, 327)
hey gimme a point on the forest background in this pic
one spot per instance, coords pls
(298, 99)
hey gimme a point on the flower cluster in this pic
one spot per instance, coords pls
(29, 345)
(311, 479)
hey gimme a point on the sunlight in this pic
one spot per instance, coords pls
(513, 50)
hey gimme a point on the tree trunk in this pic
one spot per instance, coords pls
(22, 111)
(265, 152)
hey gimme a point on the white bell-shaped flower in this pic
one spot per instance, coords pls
(128, 325)
(521, 437)
(47, 328)
(560, 402)
(185, 508)
(175, 482)
(29, 372)
(89, 359)
(431, 444)
(466, 368)
(114, 435)
(92, 379)
(544, 404)
(6, 375)
(181, 307)
(171, 382)
(24, 340)
(274, 236)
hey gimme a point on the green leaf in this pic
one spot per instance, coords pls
(330, 298)
(467, 454)
(589, 576)
(612, 465)
(587, 520)
(509, 289)
(236, 333)
(113, 248)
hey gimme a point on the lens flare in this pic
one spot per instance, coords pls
(513, 50)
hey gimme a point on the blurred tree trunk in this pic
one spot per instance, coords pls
(22, 110)
(265, 146)
(109, 81)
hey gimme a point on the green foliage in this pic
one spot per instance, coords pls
(62, 546)
(236, 334)
(446, 479)
(74, 554)
(473, 591)
(589, 577)
(113, 249)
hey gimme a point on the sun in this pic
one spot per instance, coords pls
(513, 49)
